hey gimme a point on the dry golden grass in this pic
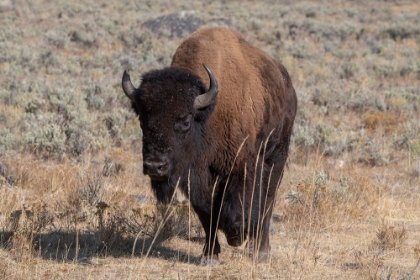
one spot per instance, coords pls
(387, 122)
(342, 224)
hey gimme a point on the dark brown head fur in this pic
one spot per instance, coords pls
(171, 125)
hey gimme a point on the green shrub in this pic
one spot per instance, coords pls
(10, 140)
(48, 139)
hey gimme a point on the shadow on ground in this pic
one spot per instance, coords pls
(61, 246)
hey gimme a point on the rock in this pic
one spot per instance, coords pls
(173, 25)
(209, 261)
(143, 199)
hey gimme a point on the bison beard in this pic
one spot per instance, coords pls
(225, 147)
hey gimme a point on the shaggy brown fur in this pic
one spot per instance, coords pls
(252, 90)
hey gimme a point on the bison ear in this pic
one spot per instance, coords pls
(206, 99)
(127, 85)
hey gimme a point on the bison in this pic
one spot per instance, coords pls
(225, 146)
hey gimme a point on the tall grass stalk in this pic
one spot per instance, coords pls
(165, 218)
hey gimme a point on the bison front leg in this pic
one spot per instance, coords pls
(264, 246)
(272, 176)
(212, 247)
(259, 239)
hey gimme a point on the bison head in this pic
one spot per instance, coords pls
(173, 106)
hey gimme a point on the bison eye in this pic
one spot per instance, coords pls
(183, 125)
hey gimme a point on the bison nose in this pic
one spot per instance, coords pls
(156, 166)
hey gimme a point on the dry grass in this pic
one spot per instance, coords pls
(343, 224)
(74, 203)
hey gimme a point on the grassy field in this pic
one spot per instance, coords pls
(74, 203)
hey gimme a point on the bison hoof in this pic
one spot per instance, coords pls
(209, 260)
(263, 257)
(260, 257)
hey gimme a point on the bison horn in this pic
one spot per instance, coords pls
(204, 100)
(127, 85)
